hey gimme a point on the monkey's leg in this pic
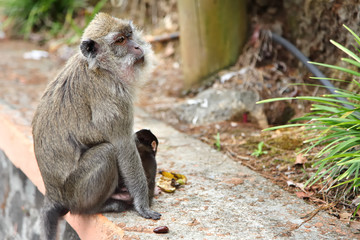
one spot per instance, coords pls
(114, 205)
(135, 180)
(93, 181)
(50, 214)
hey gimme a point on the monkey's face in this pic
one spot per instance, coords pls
(110, 43)
(126, 47)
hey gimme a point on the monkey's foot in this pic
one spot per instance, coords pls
(148, 213)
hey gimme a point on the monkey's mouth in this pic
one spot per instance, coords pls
(139, 60)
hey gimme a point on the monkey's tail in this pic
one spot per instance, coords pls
(51, 212)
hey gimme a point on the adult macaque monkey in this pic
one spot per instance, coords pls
(83, 126)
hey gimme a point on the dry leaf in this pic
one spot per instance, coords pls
(315, 187)
(291, 183)
(356, 201)
(303, 195)
(300, 159)
(345, 216)
(301, 186)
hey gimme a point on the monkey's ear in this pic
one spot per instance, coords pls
(154, 146)
(89, 48)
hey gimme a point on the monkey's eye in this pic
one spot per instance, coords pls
(120, 40)
(129, 34)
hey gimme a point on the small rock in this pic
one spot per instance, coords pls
(214, 105)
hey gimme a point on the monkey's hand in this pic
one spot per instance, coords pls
(147, 213)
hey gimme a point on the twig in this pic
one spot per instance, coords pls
(316, 91)
(236, 155)
(249, 166)
(242, 162)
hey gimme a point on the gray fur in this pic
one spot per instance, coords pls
(83, 130)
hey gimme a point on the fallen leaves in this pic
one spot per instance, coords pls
(345, 216)
(304, 195)
(290, 183)
(169, 181)
(300, 160)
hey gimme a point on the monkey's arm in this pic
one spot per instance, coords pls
(135, 180)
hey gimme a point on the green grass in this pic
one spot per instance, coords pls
(259, 151)
(217, 141)
(334, 124)
(26, 16)
(55, 17)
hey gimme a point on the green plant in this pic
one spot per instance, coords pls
(217, 141)
(25, 16)
(334, 124)
(259, 151)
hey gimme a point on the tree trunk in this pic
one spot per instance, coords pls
(212, 33)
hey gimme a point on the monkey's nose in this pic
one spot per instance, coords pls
(138, 50)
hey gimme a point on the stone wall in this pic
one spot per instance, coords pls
(20, 203)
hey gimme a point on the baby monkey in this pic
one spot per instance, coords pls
(147, 144)
(83, 126)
